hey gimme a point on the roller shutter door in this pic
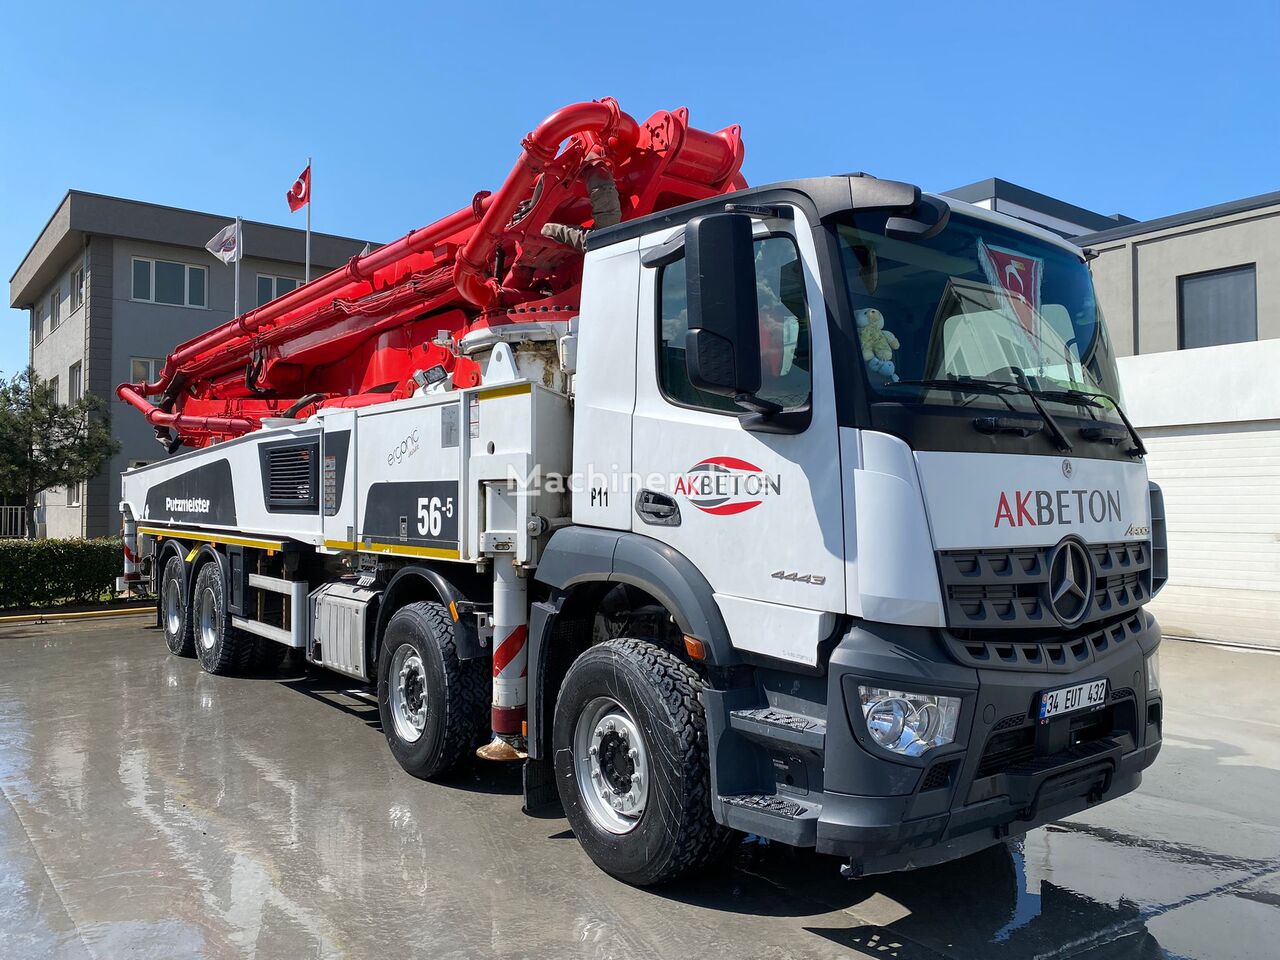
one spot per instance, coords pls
(1221, 487)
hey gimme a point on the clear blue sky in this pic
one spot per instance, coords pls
(409, 109)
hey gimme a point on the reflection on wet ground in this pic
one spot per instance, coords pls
(153, 810)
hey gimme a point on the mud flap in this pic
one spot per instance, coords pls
(541, 792)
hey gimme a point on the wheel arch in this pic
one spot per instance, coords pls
(580, 565)
(191, 564)
(207, 553)
(581, 556)
(418, 582)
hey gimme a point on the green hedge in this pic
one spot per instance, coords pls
(40, 573)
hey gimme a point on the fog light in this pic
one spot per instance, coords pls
(1153, 672)
(909, 723)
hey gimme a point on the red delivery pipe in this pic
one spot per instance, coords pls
(605, 118)
(357, 270)
(159, 418)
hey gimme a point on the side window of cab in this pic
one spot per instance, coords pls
(783, 313)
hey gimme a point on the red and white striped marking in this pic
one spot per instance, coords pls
(510, 679)
(129, 536)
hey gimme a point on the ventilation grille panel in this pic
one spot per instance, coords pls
(291, 476)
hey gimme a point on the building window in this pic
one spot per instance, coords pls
(145, 369)
(55, 310)
(1220, 306)
(163, 281)
(77, 288)
(37, 325)
(75, 383)
(73, 495)
(271, 287)
(53, 388)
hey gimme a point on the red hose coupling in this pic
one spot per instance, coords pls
(538, 154)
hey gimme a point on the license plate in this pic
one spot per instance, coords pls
(1082, 696)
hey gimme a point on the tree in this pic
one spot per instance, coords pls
(44, 443)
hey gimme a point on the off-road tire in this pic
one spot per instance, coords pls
(676, 834)
(457, 692)
(231, 649)
(182, 642)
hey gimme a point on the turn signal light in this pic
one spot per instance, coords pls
(695, 648)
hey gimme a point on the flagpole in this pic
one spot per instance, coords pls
(306, 276)
(239, 255)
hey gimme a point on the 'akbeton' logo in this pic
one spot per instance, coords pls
(724, 486)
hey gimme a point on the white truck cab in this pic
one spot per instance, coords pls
(836, 534)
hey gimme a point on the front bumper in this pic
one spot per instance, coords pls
(878, 835)
(1005, 774)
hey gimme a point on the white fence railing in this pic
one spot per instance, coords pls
(13, 522)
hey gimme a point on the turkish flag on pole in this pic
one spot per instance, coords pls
(299, 194)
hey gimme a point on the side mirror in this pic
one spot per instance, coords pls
(924, 221)
(722, 347)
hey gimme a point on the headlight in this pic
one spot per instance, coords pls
(909, 723)
(1153, 672)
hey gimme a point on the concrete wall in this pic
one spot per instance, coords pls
(1210, 418)
(1137, 277)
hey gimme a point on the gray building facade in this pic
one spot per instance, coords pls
(111, 286)
(1202, 278)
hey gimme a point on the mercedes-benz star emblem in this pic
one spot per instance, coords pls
(1070, 589)
(1067, 469)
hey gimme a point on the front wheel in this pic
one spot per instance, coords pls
(631, 735)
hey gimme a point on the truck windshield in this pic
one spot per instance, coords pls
(976, 301)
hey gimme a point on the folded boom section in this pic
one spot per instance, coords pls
(356, 336)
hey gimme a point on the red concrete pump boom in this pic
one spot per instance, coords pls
(357, 335)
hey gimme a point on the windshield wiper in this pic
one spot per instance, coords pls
(970, 385)
(1090, 398)
(1064, 442)
(996, 388)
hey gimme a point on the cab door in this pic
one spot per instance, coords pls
(758, 513)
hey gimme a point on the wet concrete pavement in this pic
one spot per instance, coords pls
(152, 810)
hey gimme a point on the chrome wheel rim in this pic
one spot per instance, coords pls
(208, 619)
(173, 607)
(408, 694)
(611, 765)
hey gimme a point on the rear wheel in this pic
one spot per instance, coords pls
(434, 707)
(222, 648)
(630, 736)
(175, 610)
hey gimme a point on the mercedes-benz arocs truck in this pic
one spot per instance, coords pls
(808, 510)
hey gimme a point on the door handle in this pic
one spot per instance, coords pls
(657, 509)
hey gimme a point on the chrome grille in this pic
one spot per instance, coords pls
(1005, 588)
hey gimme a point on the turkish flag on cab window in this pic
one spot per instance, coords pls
(299, 194)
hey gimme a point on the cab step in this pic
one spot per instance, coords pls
(771, 725)
(787, 819)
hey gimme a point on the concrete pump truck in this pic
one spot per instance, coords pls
(807, 510)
